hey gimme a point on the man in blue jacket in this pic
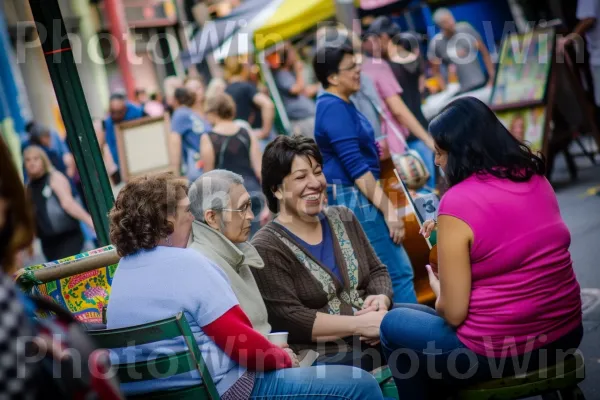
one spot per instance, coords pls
(120, 110)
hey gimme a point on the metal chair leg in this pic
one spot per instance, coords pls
(551, 396)
(573, 393)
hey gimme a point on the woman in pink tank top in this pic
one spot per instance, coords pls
(507, 297)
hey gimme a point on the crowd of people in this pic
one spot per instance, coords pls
(257, 233)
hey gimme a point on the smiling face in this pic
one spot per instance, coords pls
(303, 190)
(347, 79)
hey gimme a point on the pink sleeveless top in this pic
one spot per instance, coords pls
(524, 293)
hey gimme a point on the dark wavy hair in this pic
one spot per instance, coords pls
(277, 163)
(478, 143)
(138, 219)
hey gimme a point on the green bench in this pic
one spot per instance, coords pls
(185, 361)
(560, 379)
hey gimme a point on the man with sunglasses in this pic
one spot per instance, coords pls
(222, 209)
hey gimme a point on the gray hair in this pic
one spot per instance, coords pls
(440, 13)
(211, 191)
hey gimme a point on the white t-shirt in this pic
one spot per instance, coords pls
(156, 284)
(591, 9)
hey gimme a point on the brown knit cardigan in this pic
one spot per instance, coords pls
(293, 296)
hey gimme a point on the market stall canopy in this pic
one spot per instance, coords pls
(215, 33)
(291, 18)
(264, 24)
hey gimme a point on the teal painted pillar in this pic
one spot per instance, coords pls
(75, 113)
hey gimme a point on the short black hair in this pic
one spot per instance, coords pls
(383, 25)
(327, 61)
(184, 96)
(118, 96)
(478, 143)
(277, 163)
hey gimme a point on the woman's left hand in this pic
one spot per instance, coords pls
(293, 357)
(379, 302)
(434, 282)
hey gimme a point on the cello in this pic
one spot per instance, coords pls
(414, 243)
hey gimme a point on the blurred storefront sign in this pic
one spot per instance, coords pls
(145, 13)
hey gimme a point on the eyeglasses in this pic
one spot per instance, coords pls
(351, 67)
(243, 209)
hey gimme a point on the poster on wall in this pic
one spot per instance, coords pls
(524, 68)
(526, 124)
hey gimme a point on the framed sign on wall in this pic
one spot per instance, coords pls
(524, 88)
(143, 146)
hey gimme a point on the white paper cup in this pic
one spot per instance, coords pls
(278, 338)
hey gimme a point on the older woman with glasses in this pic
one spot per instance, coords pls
(222, 209)
(351, 164)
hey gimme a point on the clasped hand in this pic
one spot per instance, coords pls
(374, 309)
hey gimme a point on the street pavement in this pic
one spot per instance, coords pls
(581, 212)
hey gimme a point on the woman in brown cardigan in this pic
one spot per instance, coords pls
(322, 281)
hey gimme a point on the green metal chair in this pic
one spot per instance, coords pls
(562, 378)
(185, 361)
(383, 376)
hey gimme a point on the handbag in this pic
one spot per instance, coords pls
(410, 165)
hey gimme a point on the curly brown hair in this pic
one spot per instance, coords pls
(138, 219)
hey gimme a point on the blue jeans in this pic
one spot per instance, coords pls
(316, 383)
(373, 223)
(428, 158)
(428, 360)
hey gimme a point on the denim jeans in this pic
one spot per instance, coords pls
(316, 383)
(373, 223)
(428, 158)
(428, 360)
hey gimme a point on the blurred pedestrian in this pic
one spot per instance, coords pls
(196, 87)
(351, 164)
(454, 46)
(251, 105)
(154, 107)
(407, 68)
(230, 147)
(289, 78)
(120, 110)
(186, 129)
(55, 147)
(57, 213)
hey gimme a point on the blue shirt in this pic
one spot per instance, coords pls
(190, 126)
(323, 252)
(346, 140)
(133, 112)
(159, 283)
